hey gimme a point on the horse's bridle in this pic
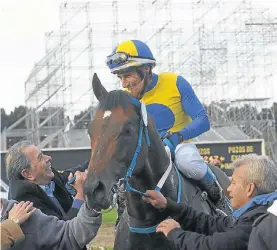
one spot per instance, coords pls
(125, 181)
(142, 128)
(117, 188)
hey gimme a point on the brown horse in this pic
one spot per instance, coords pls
(126, 146)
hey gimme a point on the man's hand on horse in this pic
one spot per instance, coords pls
(166, 226)
(155, 198)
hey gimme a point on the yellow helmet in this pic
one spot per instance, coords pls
(129, 54)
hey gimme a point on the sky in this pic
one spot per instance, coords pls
(22, 28)
(23, 24)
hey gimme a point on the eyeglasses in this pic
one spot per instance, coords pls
(120, 59)
(117, 58)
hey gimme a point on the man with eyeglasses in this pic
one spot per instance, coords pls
(32, 178)
(177, 112)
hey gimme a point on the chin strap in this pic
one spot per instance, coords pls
(146, 77)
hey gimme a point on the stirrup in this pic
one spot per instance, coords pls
(221, 192)
(223, 206)
(220, 212)
(213, 190)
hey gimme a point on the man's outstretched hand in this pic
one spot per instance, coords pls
(166, 226)
(155, 198)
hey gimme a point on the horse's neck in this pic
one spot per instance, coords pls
(157, 156)
(154, 167)
(136, 207)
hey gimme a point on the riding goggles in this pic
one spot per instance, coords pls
(122, 60)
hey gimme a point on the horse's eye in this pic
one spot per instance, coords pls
(127, 131)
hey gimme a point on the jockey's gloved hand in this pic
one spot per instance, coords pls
(172, 140)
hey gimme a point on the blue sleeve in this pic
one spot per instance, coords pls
(194, 109)
(77, 203)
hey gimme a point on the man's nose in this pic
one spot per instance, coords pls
(48, 158)
(229, 189)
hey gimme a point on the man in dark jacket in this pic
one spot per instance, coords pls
(31, 178)
(264, 232)
(252, 190)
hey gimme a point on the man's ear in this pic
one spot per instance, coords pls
(27, 174)
(147, 69)
(251, 190)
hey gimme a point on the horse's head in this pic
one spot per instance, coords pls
(114, 134)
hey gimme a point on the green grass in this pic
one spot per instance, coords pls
(98, 248)
(110, 217)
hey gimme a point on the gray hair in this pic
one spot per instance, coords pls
(16, 160)
(261, 171)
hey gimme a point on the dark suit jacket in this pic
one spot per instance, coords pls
(22, 190)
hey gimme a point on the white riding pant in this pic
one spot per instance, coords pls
(189, 161)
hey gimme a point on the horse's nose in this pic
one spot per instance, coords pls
(90, 184)
(99, 188)
(94, 190)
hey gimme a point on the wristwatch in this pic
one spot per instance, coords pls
(15, 220)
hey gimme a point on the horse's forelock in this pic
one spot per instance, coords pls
(114, 99)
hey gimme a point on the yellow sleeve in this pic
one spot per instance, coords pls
(10, 232)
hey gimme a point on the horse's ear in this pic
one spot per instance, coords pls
(98, 89)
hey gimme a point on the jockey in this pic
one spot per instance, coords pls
(170, 100)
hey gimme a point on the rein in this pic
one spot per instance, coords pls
(128, 187)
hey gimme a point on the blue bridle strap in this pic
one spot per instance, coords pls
(133, 163)
(134, 101)
(148, 230)
(147, 136)
(134, 160)
(132, 166)
(179, 185)
(143, 230)
(169, 144)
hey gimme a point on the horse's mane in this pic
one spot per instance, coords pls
(113, 99)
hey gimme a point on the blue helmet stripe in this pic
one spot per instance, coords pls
(142, 49)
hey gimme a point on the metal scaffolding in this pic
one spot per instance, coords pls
(234, 66)
(224, 50)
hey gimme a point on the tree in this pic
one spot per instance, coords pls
(82, 119)
(8, 120)
(275, 115)
(56, 120)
